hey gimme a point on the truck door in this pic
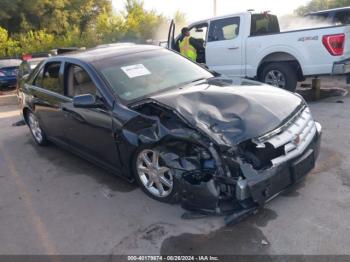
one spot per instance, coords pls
(223, 50)
(171, 36)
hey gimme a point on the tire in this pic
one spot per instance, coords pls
(280, 75)
(34, 127)
(155, 175)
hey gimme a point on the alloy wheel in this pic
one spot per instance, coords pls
(35, 127)
(275, 78)
(156, 178)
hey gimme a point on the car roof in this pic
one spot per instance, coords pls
(107, 51)
(10, 63)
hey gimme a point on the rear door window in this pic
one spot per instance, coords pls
(224, 29)
(262, 24)
(342, 17)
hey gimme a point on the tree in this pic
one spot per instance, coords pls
(84, 13)
(53, 16)
(141, 23)
(28, 26)
(110, 28)
(180, 18)
(317, 5)
(8, 46)
(180, 21)
(36, 41)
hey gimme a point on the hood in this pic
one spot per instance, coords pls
(232, 114)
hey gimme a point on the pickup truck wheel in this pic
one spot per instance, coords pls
(154, 177)
(280, 75)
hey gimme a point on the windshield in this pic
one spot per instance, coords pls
(139, 75)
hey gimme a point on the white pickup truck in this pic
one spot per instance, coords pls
(252, 46)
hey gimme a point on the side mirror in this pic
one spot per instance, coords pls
(85, 101)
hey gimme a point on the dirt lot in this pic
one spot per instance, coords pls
(52, 202)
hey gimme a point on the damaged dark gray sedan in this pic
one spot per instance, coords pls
(218, 146)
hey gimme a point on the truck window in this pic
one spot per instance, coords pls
(319, 16)
(342, 17)
(224, 29)
(264, 24)
(199, 32)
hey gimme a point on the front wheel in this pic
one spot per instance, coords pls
(154, 177)
(281, 75)
(34, 126)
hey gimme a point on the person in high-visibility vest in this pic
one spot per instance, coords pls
(187, 45)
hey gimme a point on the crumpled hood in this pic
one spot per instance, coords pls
(232, 114)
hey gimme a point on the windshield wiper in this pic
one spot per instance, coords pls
(198, 79)
(190, 82)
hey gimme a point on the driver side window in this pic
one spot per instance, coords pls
(78, 82)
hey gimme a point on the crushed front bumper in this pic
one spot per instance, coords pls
(256, 189)
(261, 186)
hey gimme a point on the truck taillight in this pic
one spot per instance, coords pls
(334, 44)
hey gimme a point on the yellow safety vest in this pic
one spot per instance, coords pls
(187, 50)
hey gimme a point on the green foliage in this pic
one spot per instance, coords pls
(180, 21)
(8, 46)
(317, 5)
(140, 23)
(35, 41)
(53, 16)
(29, 26)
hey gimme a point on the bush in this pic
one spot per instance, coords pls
(99, 27)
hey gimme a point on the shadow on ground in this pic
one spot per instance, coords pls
(309, 94)
(71, 165)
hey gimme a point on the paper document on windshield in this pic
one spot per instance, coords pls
(133, 71)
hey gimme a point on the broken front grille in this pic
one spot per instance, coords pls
(295, 138)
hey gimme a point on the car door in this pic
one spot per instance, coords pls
(88, 130)
(47, 96)
(223, 51)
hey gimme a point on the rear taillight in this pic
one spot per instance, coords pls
(334, 44)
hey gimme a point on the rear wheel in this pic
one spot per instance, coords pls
(281, 75)
(34, 126)
(154, 177)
